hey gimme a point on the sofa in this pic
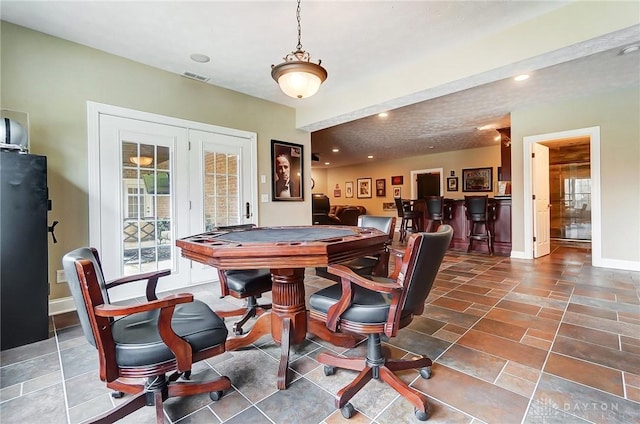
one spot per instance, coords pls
(323, 213)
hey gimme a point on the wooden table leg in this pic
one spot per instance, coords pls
(283, 367)
(288, 315)
(261, 327)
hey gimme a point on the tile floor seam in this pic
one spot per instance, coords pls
(64, 381)
(546, 359)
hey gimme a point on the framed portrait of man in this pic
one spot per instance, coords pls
(286, 160)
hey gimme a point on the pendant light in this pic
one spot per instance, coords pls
(297, 76)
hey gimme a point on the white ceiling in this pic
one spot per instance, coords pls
(356, 40)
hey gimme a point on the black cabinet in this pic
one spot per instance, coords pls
(24, 287)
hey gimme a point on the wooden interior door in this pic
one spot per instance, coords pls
(541, 200)
(428, 185)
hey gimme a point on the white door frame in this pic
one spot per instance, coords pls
(94, 110)
(414, 175)
(596, 216)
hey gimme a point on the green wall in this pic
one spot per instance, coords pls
(52, 79)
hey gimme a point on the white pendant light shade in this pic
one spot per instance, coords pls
(299, 79)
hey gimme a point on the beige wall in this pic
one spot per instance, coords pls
(380, 169)
(53, 79)
(618, 116)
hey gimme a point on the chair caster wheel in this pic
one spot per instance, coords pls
(238, 332)
(216, 395)
(347, 411)
(425, 373)
(421, 415)
(116, 394)
(329, 370)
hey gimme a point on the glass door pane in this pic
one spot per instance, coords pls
(221, 197)
(147, 236)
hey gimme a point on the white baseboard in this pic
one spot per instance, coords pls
(619, 264)
(61, 305)
(515, 254)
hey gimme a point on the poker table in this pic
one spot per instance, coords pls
(286, 251)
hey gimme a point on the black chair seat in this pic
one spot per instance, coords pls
(138, 342)
(368, 306)
(249, 280)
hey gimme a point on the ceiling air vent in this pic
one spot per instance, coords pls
(195, 76)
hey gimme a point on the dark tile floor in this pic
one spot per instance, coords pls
(514, 341)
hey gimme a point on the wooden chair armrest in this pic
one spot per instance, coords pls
(109, 310)
(151, 277)
(398, 254)
(181, 348)
(346, 273)
(347, 276)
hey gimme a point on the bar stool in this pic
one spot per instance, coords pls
(477, 212)
(406, 212)
(435, 211)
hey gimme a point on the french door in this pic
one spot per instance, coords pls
(154, 182)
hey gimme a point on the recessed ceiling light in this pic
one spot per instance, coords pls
(630, 49)
(383, 114)
(335, 150)
(486, 127)
(327, 163)
(200, 58)
(370, 157)
(521, 77)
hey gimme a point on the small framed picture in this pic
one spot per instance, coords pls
(452, 183)
(286, 160)
(381, 188)
(364, 188)
(348, 189)
(477, 179)
(397, 191)
(397, 180)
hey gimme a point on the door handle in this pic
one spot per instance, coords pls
(248, 210)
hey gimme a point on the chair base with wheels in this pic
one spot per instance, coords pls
(376, 366)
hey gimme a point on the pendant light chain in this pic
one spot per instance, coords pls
(297, 76)
(299, 46)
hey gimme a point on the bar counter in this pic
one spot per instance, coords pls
(500, 215)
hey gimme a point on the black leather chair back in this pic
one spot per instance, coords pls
(477, 208)
(382, 223)
(68, 263)
(427, 252)
(435, 207)
(403, 207)
(349, 216)
(320, 204)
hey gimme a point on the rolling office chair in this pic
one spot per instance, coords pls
(477, 212)
(144, 340)
(369, 265)
(381, 306)
(248, 284)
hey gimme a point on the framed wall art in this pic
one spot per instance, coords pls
(348, 189)
(397, 191)
(364, 188)
(397, 180)
(452, 183)
(477, 179)
(286, 160)
(381, 188)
